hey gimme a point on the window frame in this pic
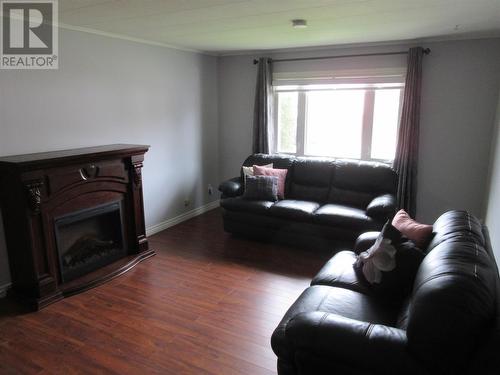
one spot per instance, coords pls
(367, 117)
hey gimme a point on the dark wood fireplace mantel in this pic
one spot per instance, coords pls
(37, 189)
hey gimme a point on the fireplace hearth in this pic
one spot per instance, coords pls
(73, 219)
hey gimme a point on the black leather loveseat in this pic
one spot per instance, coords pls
(448, 324)
(325, 200)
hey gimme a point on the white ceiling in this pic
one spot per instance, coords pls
(226, 26)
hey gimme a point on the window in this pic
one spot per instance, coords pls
(357, 120)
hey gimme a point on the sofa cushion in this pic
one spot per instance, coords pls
(340, 301)
(240, 204)
(345, 216)
(311, 179)
(339, 272)
(294, 209)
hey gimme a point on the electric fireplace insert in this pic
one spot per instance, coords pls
(89, 239)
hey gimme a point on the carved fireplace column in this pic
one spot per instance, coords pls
(140, 225)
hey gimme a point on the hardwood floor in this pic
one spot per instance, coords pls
(206, 304)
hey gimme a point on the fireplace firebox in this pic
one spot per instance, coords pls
(73, 219)
(89, 239)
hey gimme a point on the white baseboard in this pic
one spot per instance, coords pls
(3, 289)
(183, 217)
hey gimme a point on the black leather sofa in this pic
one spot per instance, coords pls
(326, 200)
(449, 324)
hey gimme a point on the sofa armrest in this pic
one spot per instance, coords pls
(382, 207)
(231, 188)
(354, 343)
(365, 241)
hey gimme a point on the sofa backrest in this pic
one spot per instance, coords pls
(454, 295)
(341, 181)
(356, 183)
(279, 160)
(311, 179)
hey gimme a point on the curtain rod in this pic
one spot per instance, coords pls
(426, 52)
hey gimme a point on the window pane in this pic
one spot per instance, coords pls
(385, 124)
(287, 121)
(334, 123)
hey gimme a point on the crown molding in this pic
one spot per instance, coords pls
(131, 39)
(409, 42)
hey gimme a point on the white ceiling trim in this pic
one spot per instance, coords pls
(405, 42)
(130, 39)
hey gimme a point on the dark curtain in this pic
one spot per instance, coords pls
(406, 159)
(262, 116)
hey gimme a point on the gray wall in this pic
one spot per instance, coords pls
(459, 99)
(115, 91)
(460, 84)
(196, 113)
(493, 193)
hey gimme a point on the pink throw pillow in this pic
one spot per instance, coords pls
(412, 229)
(280, 173)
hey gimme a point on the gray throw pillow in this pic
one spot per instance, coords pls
(261, 188)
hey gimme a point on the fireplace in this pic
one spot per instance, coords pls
(89, 239)
(73, 219)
